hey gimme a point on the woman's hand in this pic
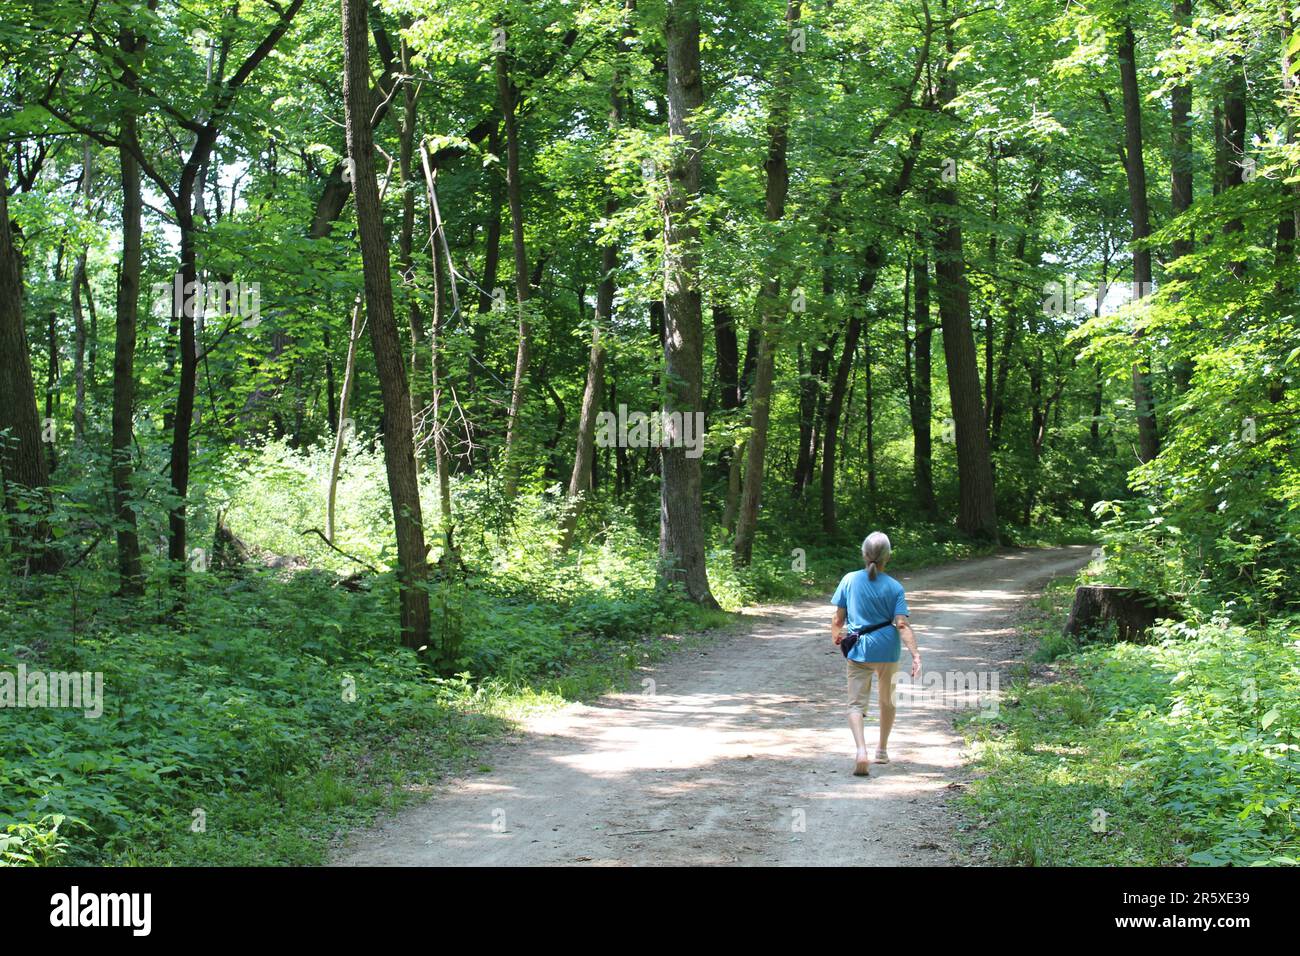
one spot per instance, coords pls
(916, 665)
(837, 626)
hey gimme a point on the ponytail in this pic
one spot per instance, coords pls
(876, 550)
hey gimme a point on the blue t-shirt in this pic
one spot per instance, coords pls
(868, 602)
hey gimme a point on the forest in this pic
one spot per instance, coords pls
(375, 372)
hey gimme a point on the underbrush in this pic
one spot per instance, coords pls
(1184, 750)
(245, 731)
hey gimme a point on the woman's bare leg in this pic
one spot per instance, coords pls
(885, 679)
(859, 735)
(858, 698)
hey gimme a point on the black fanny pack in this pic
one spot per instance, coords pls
(850, 640)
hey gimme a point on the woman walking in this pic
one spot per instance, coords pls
(870, 618)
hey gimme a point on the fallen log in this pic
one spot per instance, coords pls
(1132, 612)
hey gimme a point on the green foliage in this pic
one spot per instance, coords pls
(33, 844)
(1186, 750)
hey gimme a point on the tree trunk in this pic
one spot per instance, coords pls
(1099, 387)
(977, 511)
(186, 297)
(681, 524)
(1012, 327)
(727, 372)
(1037, 429)
(1135, 168)
(580, 481)
(1289, 223)
(185, 302)
(23, 464)
(731, 506)
(581, 478)
(812, 386)
(874, 259)
(52, 376)
(340, 420)
(760, 407)
(870, 404)
(441, 449)
(78, 315)
(399, 445)
(1233, 134)
(129, 572)
(995, 155)
(514, 194)
(1098, 393)
(491, 263)
(92, 348)
(770, 309)
(341, 430)
(727, 354)
(839, 385)
(812, 404)
(976, 502)
(1180, 153)
(921, 406)
(405, 265)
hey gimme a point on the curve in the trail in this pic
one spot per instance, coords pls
(739, 752)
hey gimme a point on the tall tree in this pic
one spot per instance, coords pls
(1140, 215)
(771, 308)
(681, 522)
(399, 440)
(976, 504)
(506, 97)
(129, 572)
(1181, 161)
(584, 455)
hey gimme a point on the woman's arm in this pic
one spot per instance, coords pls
(837, 625)
(909, 639)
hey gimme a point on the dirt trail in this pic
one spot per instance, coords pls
(740, 754)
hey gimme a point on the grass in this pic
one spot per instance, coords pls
(1182, 751)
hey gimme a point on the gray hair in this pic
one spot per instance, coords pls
(876, 550)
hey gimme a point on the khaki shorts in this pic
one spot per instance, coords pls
(860, 676)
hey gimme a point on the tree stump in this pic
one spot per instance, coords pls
(1130, 610)
(229, 554)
